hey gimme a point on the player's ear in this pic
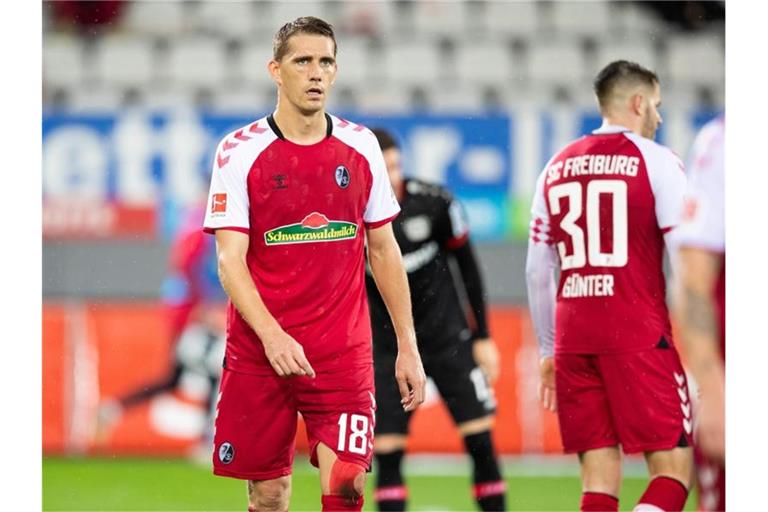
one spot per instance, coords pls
(637, 104)
(274, 71)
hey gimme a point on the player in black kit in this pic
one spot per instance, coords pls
(433, 235)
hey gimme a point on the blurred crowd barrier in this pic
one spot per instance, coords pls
(95, 351)
(130, 174)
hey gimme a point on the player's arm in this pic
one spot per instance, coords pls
(540, 265)
(284, 353)
(386, 264)
(455, 227)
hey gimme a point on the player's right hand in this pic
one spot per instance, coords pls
(547, 383)
(286, 355)
(411, 379)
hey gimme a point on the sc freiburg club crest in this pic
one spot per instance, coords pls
(342, 176)
(226, 453)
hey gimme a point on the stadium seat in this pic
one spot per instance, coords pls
(487, 63)
(63, 61)
(414, 63)
(368, 18)
(156, 18)
(242, 101)
(283, 12)
(634, 20)
(510, 19)
(385, 100)
(582, 19)
(696, 59)
(556, 63)
(459, 100)
(94, 100)
(198, 62)
(435, 18)
(252, 64)
(354, 58)
(235, 19)
(125, 61)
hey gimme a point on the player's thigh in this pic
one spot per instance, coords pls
(582, 404)
(255, 427)
(390, 416)
(648, 394)
(462, 385)
(339, 410)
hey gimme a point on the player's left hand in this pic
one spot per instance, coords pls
(487, 358)
(547, 384)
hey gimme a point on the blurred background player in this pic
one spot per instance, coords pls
(295, 199)
(195, 309)
(602, 210)
(700, 243)
(433, 235)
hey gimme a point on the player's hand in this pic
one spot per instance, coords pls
(286, 355)
(710, 431)
(547, 383)
(410, 377)
(487, 358)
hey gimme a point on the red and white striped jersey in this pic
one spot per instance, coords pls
(604, 203)
(304, 208)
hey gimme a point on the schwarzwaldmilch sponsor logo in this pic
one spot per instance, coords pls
(315, 227)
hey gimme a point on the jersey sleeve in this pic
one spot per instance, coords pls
(382, 204)
(228, 203)
(457, 231)
(667, 176)
(703, 223)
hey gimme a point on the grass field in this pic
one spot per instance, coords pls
(435, 484)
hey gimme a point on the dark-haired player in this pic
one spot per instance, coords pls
(294, 198)
(603, 208)
(433, 235)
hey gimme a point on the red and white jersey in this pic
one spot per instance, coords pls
(304, 208)
(703, 223)
(604, 203)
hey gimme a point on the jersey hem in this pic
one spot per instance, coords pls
(379, 223)
(212, 231)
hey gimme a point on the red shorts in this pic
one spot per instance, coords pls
(636, 399)
(256, 419)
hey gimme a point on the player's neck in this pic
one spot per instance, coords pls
(632, 125)
(298, 127)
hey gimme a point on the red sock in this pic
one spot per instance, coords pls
(665, 493)
(598, 502)
(333, 502)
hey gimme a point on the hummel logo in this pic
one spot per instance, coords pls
(280, 181)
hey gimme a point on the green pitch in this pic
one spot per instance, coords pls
(154, 484)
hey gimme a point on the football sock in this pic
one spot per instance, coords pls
(663, 493)
(332, 503)
(391, 494)
(598, 502)
(489, 487)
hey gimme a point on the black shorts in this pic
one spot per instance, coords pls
(462, 385)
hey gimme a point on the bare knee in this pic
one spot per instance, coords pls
(676, 463)
(601, 470)
(269, 495)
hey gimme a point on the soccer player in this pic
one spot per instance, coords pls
(194, 307)
(433, 233)
(294, 198)
(602, 212)
(700, 243)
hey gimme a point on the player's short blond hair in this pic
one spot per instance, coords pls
(619, 74)
(303, 25)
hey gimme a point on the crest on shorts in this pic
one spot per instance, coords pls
(342, 176)
(226, 453)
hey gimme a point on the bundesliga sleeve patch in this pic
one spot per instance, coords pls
(219, 203)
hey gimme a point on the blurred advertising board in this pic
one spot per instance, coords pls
(131, 173)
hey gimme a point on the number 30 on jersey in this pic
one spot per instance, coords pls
(590, 251)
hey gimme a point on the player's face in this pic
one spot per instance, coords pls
(394, 169)
(306, 72)
(652, 118)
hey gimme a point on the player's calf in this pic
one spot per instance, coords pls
(269, 495)
(489, 486)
